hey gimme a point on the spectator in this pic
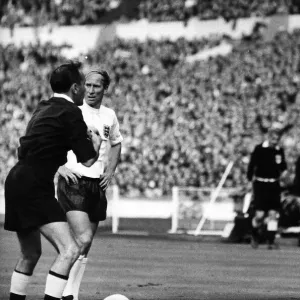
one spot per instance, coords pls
(66, 12)
(182, 122)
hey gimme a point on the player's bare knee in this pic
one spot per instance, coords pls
(32, 257)
(85, 240)
(70, 252)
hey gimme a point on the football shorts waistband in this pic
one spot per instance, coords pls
(90, 178)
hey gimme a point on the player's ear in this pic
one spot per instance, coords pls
(74, 88)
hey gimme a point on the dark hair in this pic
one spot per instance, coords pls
(104, 74)
(64, 76)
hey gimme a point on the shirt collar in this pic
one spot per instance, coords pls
(63, 96)
(90, 109)
(266, 144)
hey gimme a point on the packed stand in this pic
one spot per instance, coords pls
(58, 12)
(24, 81)
(169, 10)
(182, 122)
(65, 12)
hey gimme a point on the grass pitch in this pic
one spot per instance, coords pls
(144, 268)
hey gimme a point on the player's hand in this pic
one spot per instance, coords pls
(95, 137)
(70, 176)
(105, 180)
(92, 129)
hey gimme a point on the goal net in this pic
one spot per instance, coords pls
(203, 210)
(182, 213)
(195, 213)
(189, 210)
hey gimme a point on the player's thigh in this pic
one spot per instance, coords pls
(30, 244)
(59, 235)
(80, 224)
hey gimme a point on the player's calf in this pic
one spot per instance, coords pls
(30, 244)
(257, 228)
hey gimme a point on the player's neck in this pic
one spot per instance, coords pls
(96, 107)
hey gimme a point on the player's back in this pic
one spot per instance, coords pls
(47, 137)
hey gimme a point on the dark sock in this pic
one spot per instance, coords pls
(255, 232)
(13, 296)
(47, 297)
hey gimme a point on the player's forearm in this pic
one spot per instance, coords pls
(283, 174)
(113, 158)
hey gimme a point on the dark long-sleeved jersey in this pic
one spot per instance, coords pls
(266, 162)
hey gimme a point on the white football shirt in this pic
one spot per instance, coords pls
(105, 120)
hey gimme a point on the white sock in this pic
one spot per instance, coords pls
(55, 284)
(72, 277)
(79, 277)
(19, 283)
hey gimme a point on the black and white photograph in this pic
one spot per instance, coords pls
(149, 149)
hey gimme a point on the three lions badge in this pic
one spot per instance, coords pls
(106, 130)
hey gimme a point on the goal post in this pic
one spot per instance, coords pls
(111, 222)
(175, 209)
(114, 208)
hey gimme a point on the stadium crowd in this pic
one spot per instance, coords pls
(168, 10)
(182, 122)
(66, 12)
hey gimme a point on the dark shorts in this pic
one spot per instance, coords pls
(30, 199)
(86, 196)
(266, 196)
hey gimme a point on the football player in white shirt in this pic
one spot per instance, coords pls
(81, 190)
